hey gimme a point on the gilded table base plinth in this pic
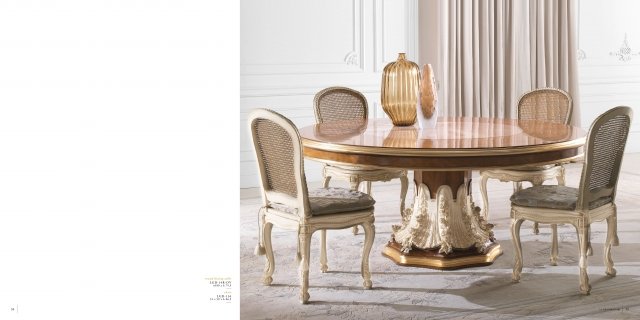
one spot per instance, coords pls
(431, 258)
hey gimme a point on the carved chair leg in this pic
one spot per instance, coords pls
(404, 186)
(608, 261)
(485, 196)
(515, 237)
(260, 251)
(270, 264)
(517, 186)
(305, 243)
(325, 181)
(554, 245)
(354, 182)
(589, 248)
(536, 226)
(560, 176)
(369, 235)
(325, 177)
(323, 251)
(298, 255)
(614, 225)
(583, 240)
(367, 188)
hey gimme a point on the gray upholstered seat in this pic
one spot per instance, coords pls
(552, 197)
(333, 200)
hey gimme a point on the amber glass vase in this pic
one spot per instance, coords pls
(401, 91)
(429, 93)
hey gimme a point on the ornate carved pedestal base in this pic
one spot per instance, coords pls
(445, 232)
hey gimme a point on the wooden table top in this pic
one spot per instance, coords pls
(453, 144)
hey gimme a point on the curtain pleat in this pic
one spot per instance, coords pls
(492, 52)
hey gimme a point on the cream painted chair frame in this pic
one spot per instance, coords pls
(588, 195)
(343, 108)
(302, 220)
(534, 175)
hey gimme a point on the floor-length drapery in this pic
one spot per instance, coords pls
(493, 51)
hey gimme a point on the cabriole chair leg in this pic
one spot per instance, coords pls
(554, 245)
(369, 234)
(305, 242)
(270, 264)
(608, 261)
(354, 182)
(583, 240)
(323, 251)
(515, 236)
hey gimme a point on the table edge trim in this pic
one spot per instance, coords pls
(453, 152)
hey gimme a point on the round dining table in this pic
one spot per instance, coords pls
(443, 229)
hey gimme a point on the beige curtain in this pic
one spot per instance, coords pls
(493, 51)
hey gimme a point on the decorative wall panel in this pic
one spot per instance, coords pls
(609, 41)
(292, 49)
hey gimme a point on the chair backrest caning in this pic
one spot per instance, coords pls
(339, 103)
(604, 148)
(279, 153)
(276, 150)
(548, 104)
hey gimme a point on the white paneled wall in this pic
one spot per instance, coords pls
(609, 62)
(292, 49)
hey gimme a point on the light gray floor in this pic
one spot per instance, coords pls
(545, 292)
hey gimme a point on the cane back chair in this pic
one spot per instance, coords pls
(593, 200)
(287, 203)
(340, 104)
(548, 104)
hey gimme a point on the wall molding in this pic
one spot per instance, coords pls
(355, 66)
(289, 88)
(296, 91)
(609, 81)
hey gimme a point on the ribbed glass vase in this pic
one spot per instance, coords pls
(401, 91)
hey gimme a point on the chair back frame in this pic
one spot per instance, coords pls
(559, 112)
(615, 121)
(269, 195)
(358, 111)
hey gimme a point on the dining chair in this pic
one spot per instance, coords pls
(287, 203)
(341, 104)
(547, 104)
(592, 201)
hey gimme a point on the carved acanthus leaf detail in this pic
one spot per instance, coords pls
(351, 58)
(443, 223)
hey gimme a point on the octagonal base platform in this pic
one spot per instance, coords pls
(430, 258)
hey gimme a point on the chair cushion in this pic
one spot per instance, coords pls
(552, 197)
(332, 200)
(335, 200)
